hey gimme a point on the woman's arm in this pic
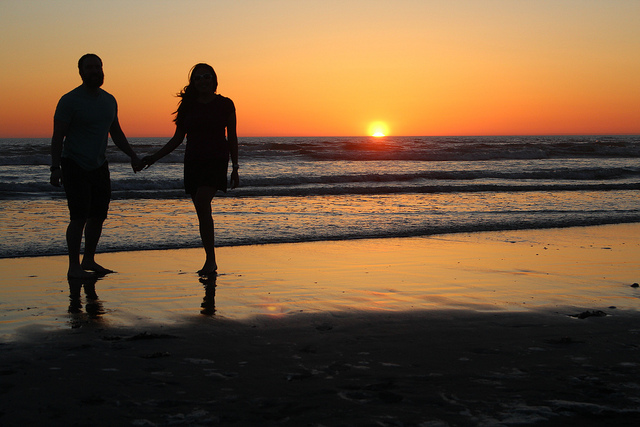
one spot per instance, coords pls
(232, 137)
(171, 145)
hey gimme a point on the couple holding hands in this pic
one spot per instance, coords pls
(87, 115)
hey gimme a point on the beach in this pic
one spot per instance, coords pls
(493, 328)
(429, 217)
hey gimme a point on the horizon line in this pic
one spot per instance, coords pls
(371, 136)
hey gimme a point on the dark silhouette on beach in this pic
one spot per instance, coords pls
(93, 308)
(208, 121)
(83, 120)
(209, 301)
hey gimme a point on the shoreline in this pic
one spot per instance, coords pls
(438, 234)
(470, 329)
(584, 267)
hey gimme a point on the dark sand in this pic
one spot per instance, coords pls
(343, 356)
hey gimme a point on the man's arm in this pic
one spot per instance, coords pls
(118, 137)
(59, 132)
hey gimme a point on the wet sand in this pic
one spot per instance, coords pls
(501, 328)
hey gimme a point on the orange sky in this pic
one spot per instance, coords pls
(332, 68)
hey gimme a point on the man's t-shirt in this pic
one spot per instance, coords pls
(89, 117)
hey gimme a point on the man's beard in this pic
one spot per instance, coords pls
(93, 80)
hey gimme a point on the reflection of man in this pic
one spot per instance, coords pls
(83, 120)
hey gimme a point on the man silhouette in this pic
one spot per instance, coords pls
(83, 120)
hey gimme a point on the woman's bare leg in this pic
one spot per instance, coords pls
(202, 202)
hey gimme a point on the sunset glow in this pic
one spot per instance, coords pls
(378, 129)
(327, 68)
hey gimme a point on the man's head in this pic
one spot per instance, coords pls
(90, 67)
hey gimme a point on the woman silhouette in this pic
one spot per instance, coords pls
(208, 121)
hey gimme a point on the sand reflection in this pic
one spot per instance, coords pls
(92, 311)
(209, 301)
(564, 270)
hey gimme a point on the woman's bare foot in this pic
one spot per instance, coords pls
(208, 269)
(95, 267)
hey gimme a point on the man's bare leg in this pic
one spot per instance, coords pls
(92, 233)
(74, 240)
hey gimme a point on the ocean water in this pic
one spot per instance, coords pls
(309, 189)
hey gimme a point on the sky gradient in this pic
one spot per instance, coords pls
(333, 68)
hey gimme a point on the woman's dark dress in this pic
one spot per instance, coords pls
(206, 157)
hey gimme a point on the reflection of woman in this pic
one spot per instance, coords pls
(209, 301)
(203, 116)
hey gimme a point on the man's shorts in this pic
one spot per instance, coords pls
(88, 192)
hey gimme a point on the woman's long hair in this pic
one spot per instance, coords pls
(189, 93)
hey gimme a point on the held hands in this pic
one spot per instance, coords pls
(147, 161)
(136, 164)
(144, 163)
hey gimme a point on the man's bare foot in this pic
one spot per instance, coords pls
(77, 272)
(96, 268)
(208, 269)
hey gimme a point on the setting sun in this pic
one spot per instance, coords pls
(378, 129)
